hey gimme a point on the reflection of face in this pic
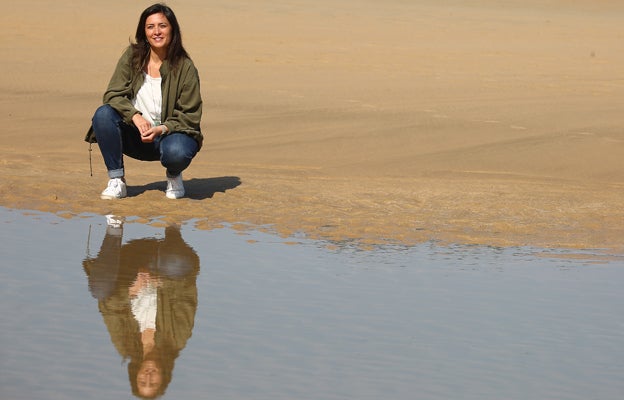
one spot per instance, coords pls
(149, 378)
(158, 31)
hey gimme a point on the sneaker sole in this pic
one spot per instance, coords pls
(174, 196)
(111, 197)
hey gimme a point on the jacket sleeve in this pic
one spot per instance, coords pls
(187, 106)
(120, 90)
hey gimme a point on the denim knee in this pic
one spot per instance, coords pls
(105, 120)
(177, 151)
(105, 114)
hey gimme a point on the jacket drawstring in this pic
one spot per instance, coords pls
(90, 163)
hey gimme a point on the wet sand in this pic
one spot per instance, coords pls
(497, 123)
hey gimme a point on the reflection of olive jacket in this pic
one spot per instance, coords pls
(181, 97)
(177, 302)
(176, 266)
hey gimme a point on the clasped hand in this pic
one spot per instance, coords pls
(147, 131)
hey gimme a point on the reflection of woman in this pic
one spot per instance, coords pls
(147, 294)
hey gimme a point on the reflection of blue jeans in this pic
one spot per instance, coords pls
(116, 138)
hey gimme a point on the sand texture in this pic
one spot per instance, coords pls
(486, 122)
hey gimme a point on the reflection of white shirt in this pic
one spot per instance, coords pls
(144, 307)
(149, 100)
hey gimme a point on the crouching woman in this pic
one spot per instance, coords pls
(152, 107)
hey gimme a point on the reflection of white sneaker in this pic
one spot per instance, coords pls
(116, 189)
(175, 187)
(114, 221)
(114, 225)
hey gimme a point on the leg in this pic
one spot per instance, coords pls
(116, 138)
(176, 152)
(107, 127)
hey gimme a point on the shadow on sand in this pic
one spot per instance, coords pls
(196, 188)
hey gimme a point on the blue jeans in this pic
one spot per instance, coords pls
(116, 138)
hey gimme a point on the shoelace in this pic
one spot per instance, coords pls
(113, 184)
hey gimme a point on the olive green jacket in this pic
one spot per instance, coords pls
(181, 97)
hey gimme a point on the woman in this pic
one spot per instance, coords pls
(152, 106)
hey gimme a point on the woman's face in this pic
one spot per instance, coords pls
(158, 31)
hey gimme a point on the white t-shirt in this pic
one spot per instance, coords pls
(149, 100)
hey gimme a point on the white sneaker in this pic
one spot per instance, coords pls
(175, 187)
(116, 189)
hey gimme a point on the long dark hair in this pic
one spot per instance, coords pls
(141, 48)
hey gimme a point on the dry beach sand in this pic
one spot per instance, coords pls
(488, 122)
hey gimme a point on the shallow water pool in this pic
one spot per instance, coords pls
(93, 311)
